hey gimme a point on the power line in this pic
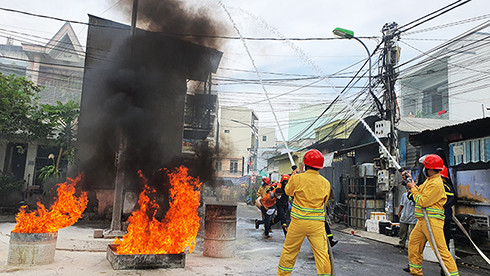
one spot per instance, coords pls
(439, 47)
(47, 63)
(477, 18)
(452, 64)
(440, 12)
(305, 86)
(185, 35)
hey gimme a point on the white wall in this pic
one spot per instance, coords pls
(469, 82)
(270, 135)
(236, 138)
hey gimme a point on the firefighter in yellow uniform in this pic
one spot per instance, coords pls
(310, 191)
(431, 196)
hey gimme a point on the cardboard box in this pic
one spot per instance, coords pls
(377, 216)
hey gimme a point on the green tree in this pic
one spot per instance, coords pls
(62, 119)
(20, 115)
(22, 118)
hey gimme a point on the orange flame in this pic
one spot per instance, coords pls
(147, 235)
(66, 210)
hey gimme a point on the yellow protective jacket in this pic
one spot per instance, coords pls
(262, 191)
(310, 191)
(430, 195)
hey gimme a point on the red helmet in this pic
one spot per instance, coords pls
(266, 180)
(444, 172)
(313, 158)
(284, 177)
(433, 161)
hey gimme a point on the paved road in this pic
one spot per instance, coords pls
(79, 254)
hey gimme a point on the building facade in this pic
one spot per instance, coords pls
(57, 67)
(238, 143)
(451, 83)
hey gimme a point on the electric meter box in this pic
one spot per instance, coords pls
(382, 128)
(383, 180)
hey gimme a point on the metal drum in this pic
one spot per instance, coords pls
(220, 230)
(28, 249)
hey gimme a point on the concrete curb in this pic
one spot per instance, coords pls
(367, 235)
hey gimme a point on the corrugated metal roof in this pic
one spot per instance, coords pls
(456, 132)
(410, 124)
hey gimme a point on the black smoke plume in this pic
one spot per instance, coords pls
(135, 86)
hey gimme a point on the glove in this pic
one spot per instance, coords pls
(271, 211)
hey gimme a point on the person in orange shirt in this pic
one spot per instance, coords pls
(269, 208)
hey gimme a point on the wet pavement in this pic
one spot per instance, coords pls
(78, 253)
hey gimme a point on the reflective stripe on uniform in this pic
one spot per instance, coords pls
(431, 212)
(454, 273)
(330, 235)
(421, 215)
(435, 210)
(287, 269)
(436, 216)
(328, 274)
(308, 210)
(415, 266)
(417, 199)
(298, 216)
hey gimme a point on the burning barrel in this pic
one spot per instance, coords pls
(220, 230)
(28, 249)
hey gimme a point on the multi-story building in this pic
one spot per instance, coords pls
(451, 82)
(57, 67)
(238, 139)
(267, 148)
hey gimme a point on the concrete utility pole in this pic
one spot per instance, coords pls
(390, 59)
(389, 76)
(116, 227)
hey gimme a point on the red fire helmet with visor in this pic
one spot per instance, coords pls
(444, 172)
(266, 180)
(313, 158)
(432, 162)
(284, 177)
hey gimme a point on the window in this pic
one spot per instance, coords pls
(233, 166)
(227, 131)
(469, 151)
(264, 138)
(219, 165)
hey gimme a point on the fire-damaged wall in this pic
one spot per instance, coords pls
(134, 87)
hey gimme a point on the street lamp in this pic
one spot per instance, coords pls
(348, 34)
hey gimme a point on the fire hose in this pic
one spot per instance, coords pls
(330, 252)
(468, 236)
(433, 243)
(330, 256)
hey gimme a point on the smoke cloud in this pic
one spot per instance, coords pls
(134, 87)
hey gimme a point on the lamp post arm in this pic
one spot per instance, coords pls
(378, 103)
(256, 134)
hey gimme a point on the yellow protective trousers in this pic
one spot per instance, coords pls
(298, 230)
(417, 241)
